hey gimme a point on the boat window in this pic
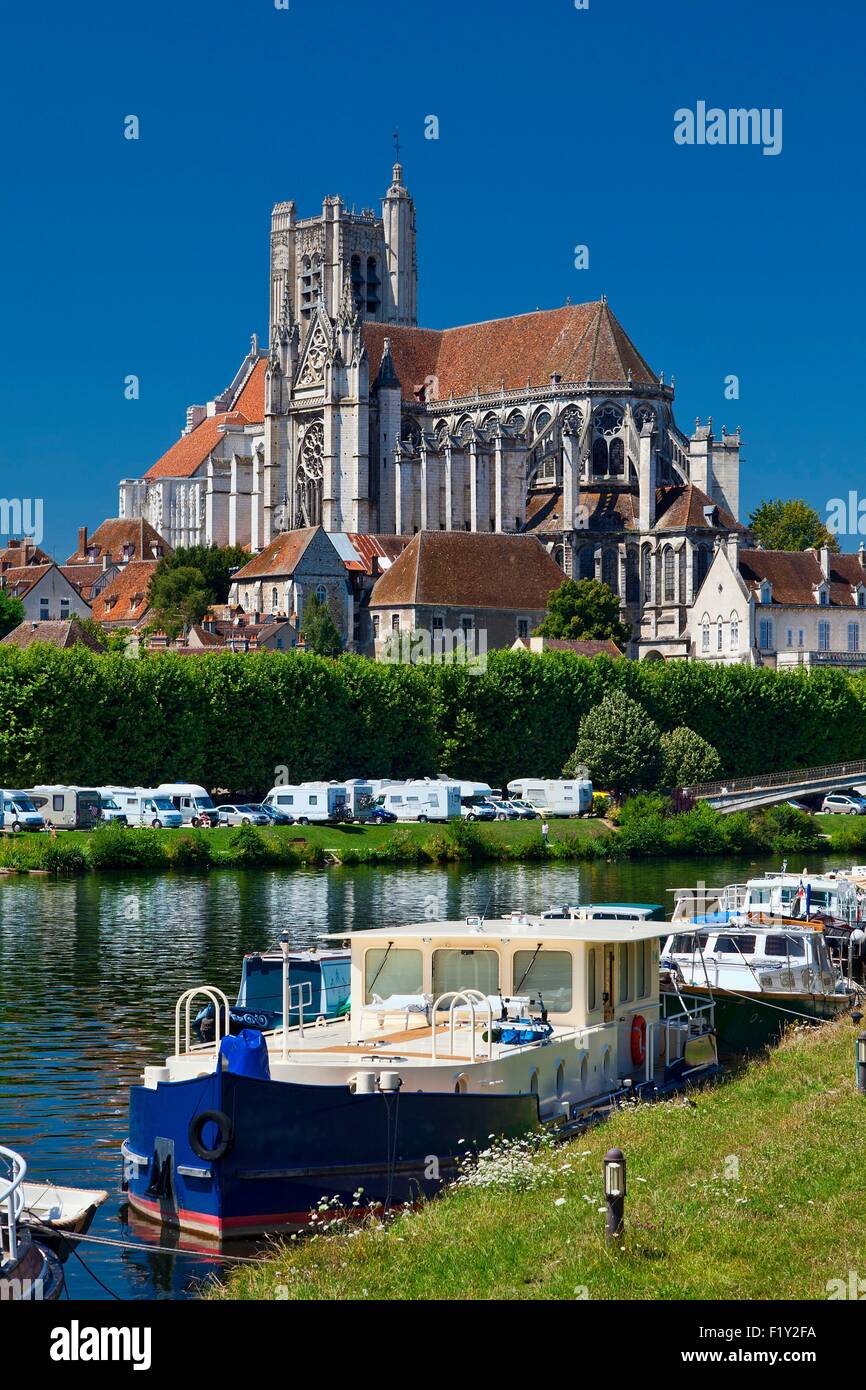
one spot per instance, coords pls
(455, 969)
(759, 896)
(397, 970)
(644, 970)
(544, 975)
(591, 980)
(784, 946)
(625, 973)
(735, 945)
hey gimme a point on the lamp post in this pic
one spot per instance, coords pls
(861, 1063)
(614, 1192)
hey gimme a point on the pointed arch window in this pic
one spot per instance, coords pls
(373, 283)
(669, 576)
(610, 570)
(586, 563)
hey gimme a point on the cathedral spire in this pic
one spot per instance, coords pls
(387, 374)
(347, 314)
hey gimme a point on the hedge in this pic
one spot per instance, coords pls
(230, 721)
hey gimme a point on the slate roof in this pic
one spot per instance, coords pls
(64, 634)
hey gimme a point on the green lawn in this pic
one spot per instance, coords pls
(751, 1189)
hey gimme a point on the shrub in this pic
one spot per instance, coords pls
(687, 758)
(247, 847)
(63, 855)
(619, 743)
(190, 850)
(114, 847)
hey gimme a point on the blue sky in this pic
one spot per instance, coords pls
(556, 129)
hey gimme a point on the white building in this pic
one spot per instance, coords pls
(781, 608)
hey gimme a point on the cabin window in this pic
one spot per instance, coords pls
(591, 981)
(389, 970)
(546, 975)
(314, 800)
(464, 969)
(625, 973)
(784, 946)
(735, 945)
(644, 973)
(57, 803)
(285, 800)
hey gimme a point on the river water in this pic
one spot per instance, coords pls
(90, 970)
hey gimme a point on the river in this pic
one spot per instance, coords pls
(90, 969)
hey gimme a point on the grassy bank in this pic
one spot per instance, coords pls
(645, 827)
(748, 1190)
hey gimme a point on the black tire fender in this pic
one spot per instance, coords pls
(196, 1128)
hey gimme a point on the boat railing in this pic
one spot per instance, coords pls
(699, 1020)
(221, 1017)
(475, 1001)
(11, 1201)
(701, 900)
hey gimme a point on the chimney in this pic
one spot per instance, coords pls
(82, 541)
(825, 562)
(105, 561)
(647, 478)
(733, 547)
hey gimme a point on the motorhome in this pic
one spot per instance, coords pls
(555, 797)
(145, 806)
(110, 812)
(191, 800)
(67, 808)
(310, 801)
(428, 800)
(19, 812)
(359, 793)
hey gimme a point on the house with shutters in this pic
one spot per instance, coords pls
(781, 608)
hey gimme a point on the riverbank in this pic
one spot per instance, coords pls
(747, 1190)
(646, 828)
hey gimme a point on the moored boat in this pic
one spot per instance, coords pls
(457, 1031)
(318, 985)
(29, 1271)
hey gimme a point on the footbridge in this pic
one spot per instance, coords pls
(763, 789)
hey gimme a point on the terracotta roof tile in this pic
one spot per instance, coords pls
(278, 558)
(580, 342)
(583, 646)
(795, 575)
(187, 455)
(113, 534)
(250, 400)
(470, 569)
(63, 634)
(124, 600)
(683, 505)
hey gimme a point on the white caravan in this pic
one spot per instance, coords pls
(555, 797)
(19, 812)
(67, 808)
(188, 798)
(428, 800)
(309, 801)
(358, 789)
(145, 806)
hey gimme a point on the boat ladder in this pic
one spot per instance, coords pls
(474, 1000)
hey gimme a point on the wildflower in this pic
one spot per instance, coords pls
(560, 1202)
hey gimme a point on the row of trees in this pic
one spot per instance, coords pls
(231, 722)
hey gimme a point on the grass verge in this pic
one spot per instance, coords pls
(747, 1190)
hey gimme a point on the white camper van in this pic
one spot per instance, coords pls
(191, 800)
(67, 808)
(555, 797)
(310, 801)
(145, 806)
(475, 801)
(19, 812)
(110, 812)
(429, 800)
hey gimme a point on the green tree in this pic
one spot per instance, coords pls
(791, 525)
(688, 758)
(318, 629)
(215, 563)
(11, 612)
(113, 640)
(619, 744)
(584, 608)
(179, 598)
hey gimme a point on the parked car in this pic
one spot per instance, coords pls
(503, 810)
(476, 808)
(276, 816)
(524, 810)
(242, 814)
(373, 812)
(799, 806)
(844, 804)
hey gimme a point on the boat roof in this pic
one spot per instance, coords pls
(528, 928)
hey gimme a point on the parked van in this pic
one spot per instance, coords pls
(555, 797)
(359, 793)
(67, 808)
(145, 806)
(310, 801)
(428, 800)
(110, 812)
(18, 811)
(476, 800)
(189, 799)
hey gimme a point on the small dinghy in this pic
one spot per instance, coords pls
(29, 1271)
(54, 1213)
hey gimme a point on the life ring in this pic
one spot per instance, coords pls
(638, 1040)
(224, 1128)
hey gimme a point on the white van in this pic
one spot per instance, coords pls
(145, 806)
(428, 800)
(189, 799)
(475, 800)
(110, 812)
(309, 801)
(556, 796)
(18, 811)
(67, 808)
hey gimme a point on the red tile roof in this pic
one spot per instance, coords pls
(24, 552)
(580, 342)
(250, 400)
(585, 646)
(124, 601)
(114, 533)
(279, 558)
(795, 576)
(472, 570)
(187, 455)
(371, 548)
(683, 505)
